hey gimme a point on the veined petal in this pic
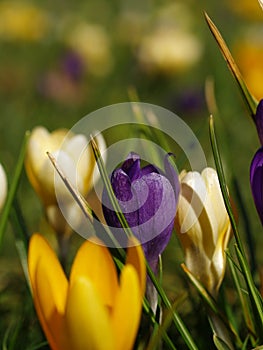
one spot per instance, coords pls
(49, 287)
(127, 309)
(94, 262)
(87, 318)
(256, 181)
(136, 258)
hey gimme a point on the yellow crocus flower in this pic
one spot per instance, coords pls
(93, 309)
(203, 227)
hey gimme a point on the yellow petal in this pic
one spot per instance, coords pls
(127, 309)
(94, 262)
(49, 287)
(136, 258)
(87, 319)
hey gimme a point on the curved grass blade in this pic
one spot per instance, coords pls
(219, 343)
(255, 298)
(243, 300)
(249, 99)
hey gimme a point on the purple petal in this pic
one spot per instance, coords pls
(256, 181)
(259, 121)
(121, 185)
(149, 169)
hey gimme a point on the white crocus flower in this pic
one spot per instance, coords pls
(203, 227)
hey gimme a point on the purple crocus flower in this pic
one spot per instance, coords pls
(256, 181)
(256, 168)
(259, 121)
(148, 199)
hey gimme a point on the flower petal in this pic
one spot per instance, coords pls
(127, 309)
(94, 262)
(49, 288)
(256, 181)
(259, 121)
(87, 318)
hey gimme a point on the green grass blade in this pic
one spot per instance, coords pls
(219, 343)
(222, 182)
(13, 187)
(255, 298)
(241, 296)
(249, 99)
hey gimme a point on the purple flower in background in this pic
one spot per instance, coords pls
(148, 200)
(256, 181)
(256, 168)
(259, 121)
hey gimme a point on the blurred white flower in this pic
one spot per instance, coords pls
(92, 43)
(21, 21)
(3, 187)
(76, 160)
(169, 50)
(261, 3)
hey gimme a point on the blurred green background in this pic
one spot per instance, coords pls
(60, 60)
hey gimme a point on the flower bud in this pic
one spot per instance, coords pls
(148, 200)
(203, 227)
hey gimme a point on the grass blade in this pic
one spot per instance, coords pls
(13, 187)
(249, 99)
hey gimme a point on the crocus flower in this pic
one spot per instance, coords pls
(93, 309)
(259, 121)
(203, 227)
(3, 186)
(256, 181)
(76, 160)
(256, 174)
(148, 200)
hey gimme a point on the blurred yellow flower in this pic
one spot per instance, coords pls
(169, 50)
(92, 43)
(22, 21)
(3, 186)
(203, 227)
(246, 8)
(249, 57)
(91, 310)
(75, 158)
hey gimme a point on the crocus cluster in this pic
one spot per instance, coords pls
(93, 309)
(256, 168)
(76, 160)
(203, 227)
(148, 199)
